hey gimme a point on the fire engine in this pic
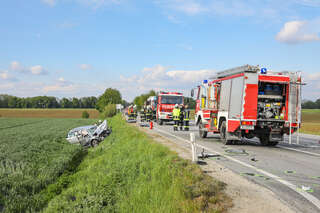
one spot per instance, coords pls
(152, 103)
(247, 102)
(165, 105)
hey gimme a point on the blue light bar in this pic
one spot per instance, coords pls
(263, 70)
(205, 81)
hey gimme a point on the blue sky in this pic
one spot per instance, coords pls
(68, 48)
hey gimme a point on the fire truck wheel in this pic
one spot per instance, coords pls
(202, 132)
(273, 143)
(264, 140)
(223, 134)
(160, 122)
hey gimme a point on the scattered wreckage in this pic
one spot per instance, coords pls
(90, 135)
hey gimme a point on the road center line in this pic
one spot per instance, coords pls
(306, 195)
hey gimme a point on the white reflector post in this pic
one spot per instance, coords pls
(193, 147)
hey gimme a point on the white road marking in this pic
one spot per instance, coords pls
(297, 150)
(305, 194)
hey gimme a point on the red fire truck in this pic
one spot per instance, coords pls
(165, 105)
(247, 102)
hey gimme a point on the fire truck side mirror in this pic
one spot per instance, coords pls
(192, 92)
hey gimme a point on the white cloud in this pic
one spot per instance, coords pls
(261, 10)
(161, 78)
(16, 66)
(38, 70)
(297, 32)
(5, 75)
(34, 70)
(85, 66)
(51, 3)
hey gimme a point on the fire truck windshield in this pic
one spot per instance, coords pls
(171, 99)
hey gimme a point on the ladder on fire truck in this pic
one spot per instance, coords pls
(236, 70)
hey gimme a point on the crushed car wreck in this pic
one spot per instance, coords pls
(90, 135)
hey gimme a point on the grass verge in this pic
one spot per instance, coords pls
(129, 172)
(33, 154)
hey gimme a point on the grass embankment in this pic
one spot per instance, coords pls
(129, 172)
(47, 113)
(311, 121)
(33, 154)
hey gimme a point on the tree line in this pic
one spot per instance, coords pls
(311, 104)
(9, 101)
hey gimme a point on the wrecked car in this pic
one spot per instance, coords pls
(90, 135)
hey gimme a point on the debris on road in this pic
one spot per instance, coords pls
(236, 151)
(289, 172)
(306, 189)
(254, 160)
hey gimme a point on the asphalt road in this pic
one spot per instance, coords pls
(292, 172)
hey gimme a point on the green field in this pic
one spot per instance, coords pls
(33, 154)
(310, 121)
(128, 172)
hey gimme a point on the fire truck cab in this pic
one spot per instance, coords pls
(165, 105)
(247, 102)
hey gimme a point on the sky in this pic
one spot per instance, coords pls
(76, 48)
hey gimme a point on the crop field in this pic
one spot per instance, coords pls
(47, 113)
(33, 154)
(311, 121)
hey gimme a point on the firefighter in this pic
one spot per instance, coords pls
(134, 112)
(143, 114)
(148, 114)
(130, 112)
(176, 117)
(181, 117)
(186, 118)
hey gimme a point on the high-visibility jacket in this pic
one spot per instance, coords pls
(176, 114)
(186, 115)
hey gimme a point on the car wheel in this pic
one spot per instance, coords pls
(94, 143)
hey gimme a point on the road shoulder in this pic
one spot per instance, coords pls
(247, 196)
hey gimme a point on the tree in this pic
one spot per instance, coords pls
(139, 100)
(110, 96)
(75, 103)
(65, 103)
(309, 105)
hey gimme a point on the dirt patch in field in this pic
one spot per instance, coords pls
(246, 196)
(47, 113)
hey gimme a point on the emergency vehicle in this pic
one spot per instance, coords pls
(247, 102)
(152, 103)
(165, 105)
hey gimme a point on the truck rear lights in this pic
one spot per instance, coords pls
(248, 123)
